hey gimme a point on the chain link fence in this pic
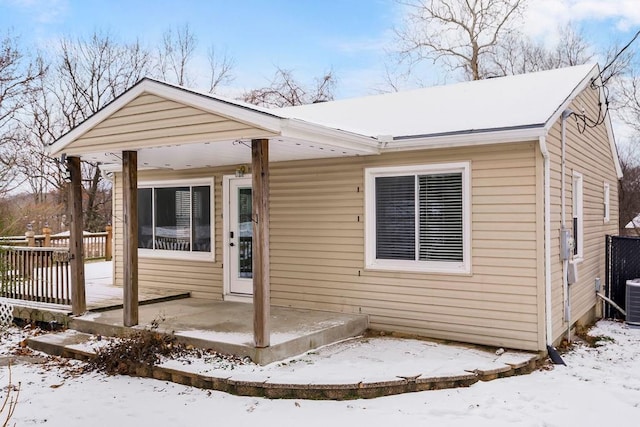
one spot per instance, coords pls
(622, 264)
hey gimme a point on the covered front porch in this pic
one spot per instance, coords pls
(155, 128)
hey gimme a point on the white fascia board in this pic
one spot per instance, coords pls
(470, 139)
(245, 114)
(594, 73)
(569, 99)
(614, 149)
(59, 145)
(298, 129)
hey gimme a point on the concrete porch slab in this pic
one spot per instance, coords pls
(227, 326)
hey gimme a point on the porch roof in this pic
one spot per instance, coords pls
(176, 128)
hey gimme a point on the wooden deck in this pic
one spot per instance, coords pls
(101, 295)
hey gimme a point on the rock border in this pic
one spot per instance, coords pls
(361, 390)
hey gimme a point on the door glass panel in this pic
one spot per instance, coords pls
(245, 234)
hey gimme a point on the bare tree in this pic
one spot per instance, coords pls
(220, 68)
(284, 90)
(628, 97)
(17, 77)
(519, 54)
(90, 74)
(461, 34)
(629, 188)
(175, 54)
(84, 76)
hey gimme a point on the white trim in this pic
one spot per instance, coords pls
(176, 255)
(226, 256)
(247, 299)
(547, 242)
(310, 132)
(595, 71)
(577, 211)
(225, 235)
(168, 183)
(372, 263)
(465, 140)
(183, 255)
(569, 99)
(606, 195)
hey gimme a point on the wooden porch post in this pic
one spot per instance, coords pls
(108, 243)
(76, 238)
(130, 215)
(260, 213)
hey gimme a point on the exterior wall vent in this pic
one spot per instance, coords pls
(633, 302)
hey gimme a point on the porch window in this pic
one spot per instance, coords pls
(418, 218)
(175, 218)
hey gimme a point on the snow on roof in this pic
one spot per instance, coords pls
(521, 101)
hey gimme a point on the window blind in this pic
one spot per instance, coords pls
(395, 217)
(441, 222)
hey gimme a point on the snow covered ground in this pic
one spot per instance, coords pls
(599, 386)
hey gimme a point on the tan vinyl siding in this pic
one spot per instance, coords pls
(588, 153)
(150, 121)
(317, 249)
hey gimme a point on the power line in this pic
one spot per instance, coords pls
(617, 55)
(582, 120)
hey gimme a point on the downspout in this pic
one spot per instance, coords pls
(547, 241)
(553, 353)
(563, 225)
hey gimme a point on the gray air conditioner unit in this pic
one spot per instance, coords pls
(633, 302)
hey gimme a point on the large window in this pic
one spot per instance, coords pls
(418, 218)
(175, 218)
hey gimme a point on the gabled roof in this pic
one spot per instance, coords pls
(258, 118)
(506, 103)
(505, 109)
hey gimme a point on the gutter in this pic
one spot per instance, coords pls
(340, 139)
(465, 139)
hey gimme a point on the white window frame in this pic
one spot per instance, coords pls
(183, 255)
(578, 213)
(463, 267)
(606, 191)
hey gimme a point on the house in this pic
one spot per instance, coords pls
(473, 212)
(632, 227)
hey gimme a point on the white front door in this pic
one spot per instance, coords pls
(239, 238)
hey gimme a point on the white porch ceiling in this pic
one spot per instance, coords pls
(221, 153)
